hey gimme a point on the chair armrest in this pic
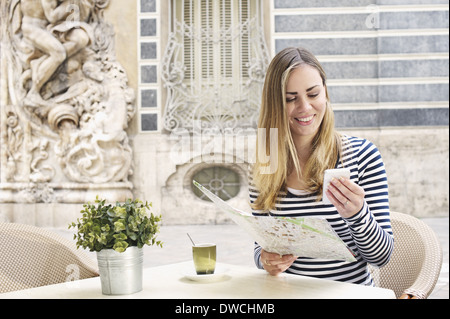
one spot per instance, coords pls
(429, 273)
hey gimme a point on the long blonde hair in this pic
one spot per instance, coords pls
(326, 145)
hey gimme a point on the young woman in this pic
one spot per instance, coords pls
(295, 102)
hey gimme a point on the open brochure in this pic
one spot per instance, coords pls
(300, 236)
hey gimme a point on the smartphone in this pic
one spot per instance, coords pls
(328, 176)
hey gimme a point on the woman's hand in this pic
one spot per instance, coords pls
(274, 263)
(346, 196)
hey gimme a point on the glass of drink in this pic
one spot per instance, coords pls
(204, 256)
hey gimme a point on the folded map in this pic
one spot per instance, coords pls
(309, 237)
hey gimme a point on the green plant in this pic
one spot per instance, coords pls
(104, 226)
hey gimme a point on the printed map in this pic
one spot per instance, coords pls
(300, 236)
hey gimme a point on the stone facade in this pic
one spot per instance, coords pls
(65, 106)
(387, 64)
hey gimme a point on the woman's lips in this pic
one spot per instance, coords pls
(305, 120)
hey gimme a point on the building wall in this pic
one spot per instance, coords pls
(387, 64)
(387, 61)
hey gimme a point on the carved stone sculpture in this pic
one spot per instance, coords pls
(65, 102)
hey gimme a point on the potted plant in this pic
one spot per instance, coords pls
(117, 233)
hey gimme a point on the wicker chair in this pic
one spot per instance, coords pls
(32, 257)
(416, 261)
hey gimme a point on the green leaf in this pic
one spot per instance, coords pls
(119, 225)
(120, 246)
(132, 236)
(120, 236)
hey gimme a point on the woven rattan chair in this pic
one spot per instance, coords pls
(33, 257)
(416, 260)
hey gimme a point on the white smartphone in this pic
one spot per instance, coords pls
(329, 174)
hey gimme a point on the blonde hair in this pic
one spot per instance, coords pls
(326, 145)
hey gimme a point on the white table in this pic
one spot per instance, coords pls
(170, 282)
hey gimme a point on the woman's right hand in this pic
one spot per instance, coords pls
(275, 264)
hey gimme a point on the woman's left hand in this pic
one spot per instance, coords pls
(346, 196)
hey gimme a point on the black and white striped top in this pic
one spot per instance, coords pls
(368, 233)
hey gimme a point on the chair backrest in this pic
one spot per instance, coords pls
(416, 260)
(32, 257)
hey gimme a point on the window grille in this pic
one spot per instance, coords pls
(222, 181)
(214, 64)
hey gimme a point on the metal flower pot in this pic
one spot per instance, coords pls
(120, 273)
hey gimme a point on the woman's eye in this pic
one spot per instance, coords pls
(311, 96)
(291, 100)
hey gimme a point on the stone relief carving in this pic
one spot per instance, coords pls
(65, 100)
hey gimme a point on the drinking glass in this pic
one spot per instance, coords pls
(204, 256)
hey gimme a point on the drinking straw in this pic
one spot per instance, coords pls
(191, 239)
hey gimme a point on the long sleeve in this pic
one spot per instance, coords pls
(257, 256)
(371, 228)
(253, 194)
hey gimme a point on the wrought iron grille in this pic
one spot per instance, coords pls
(222, 181)
(214, 64)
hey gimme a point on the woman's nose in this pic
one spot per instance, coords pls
(301, 104)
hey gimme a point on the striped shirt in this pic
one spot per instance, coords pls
(368, 233)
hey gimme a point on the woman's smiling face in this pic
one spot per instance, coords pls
(306, 101)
